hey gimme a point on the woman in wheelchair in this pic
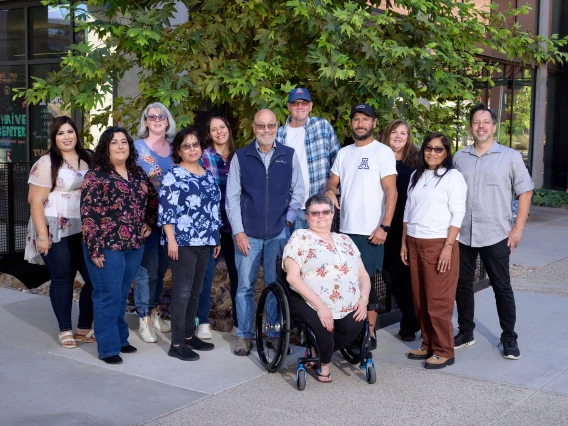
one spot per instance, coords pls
(329, 282)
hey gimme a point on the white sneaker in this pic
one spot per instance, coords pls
(204, 332)
(159, 324)
(234, 331)
(147, 333)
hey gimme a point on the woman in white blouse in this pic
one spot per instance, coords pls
(54, 230)
(432, 218)
(329, 282)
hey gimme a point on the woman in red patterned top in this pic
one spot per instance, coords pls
(119, 207)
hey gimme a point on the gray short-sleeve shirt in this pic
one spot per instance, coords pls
(492, 180)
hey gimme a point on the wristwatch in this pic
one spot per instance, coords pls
(385, 228)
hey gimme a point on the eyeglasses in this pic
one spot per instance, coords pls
(157, 117)
(188, 146)
(437, 150)
(297, 104)
(320, 213)
(270, 126)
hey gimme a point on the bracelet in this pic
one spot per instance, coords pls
(42, 238)
(366, 299)
(451, 245)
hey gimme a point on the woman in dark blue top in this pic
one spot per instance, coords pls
(189, 214)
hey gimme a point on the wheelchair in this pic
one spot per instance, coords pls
(275, 324)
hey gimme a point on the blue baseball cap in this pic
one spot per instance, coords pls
(299, 93)
(363, 108)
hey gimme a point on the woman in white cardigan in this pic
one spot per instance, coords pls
(432, 218)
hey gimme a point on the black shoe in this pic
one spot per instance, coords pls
(183, 352)
(128, 349)
(113, 359)
(373, 343)
(510, 348)
(198, 344)
(463, 339)
(406, 336)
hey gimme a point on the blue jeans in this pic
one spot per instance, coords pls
(150, 278)
(300, 222)
(247, 268)
(111, 285)
(62, 261)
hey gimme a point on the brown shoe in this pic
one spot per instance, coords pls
(243, 347)
(419, 354)
(436, 362)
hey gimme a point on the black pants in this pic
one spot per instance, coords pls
(397, 277)
(187, 279)
(345, 330)
(228, 250)
(495, 258)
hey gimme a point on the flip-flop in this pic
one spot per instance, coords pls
(86, 338)
(317, 376)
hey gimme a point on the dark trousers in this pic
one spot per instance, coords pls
(397, 277)
(187, 280)
(62, 261)
(434, 293)
(228, 250)
(495, 259)
(345, 330)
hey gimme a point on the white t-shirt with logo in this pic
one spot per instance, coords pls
(360, 170)
(295, 138)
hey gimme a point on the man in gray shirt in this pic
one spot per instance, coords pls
(493, 173)
(265, 191)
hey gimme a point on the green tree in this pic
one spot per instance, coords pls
(250, 54)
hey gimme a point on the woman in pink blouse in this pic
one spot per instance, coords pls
(54, 230)
(331, 286)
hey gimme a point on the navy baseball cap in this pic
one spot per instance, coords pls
(363, 108)
(299, 93)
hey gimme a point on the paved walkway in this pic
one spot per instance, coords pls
(44, 384)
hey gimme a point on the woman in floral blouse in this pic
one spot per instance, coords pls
(54, 230)
(119, 208)
(331, 286)
(189, 215)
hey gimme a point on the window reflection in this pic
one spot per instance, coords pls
(50, 32)
(12, 38)
(13, 135)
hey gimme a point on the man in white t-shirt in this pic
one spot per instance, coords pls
(366, 172)
(315, 143)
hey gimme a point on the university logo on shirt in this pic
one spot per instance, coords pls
(364, 163)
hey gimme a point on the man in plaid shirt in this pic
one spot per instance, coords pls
(315, 143)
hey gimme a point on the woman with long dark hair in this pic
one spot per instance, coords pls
(432, 218)
(119, 207)
(54, 230)
(398, 136)
(216, 158)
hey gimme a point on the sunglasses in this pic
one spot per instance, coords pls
(320, 213)
(299, 103)
(270, 126)
(188, 146)
(437, 150)
(157, 117)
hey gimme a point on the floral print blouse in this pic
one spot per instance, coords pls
(190, 203)
(332, 273)
(61, 207)
(114, 209)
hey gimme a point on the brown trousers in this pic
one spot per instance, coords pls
(434, 293)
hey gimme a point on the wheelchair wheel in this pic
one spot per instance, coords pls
(272, 327)
(371, 373)
(351, 354)
(301, 379)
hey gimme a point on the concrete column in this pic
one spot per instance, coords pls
(539, 124)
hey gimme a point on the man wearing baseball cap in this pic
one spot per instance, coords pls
(366, 172)
(315, 143)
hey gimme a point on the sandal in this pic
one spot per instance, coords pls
(66, 340)
(86, 338)
(318, 376)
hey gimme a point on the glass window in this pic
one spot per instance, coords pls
(13, 135)
(50, 32)
(42, 115)
(12, 47)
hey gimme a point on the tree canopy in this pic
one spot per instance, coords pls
(251, 53)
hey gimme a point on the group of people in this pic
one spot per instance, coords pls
(419, 216)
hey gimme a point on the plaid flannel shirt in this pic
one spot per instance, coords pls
(322, 146)
(219, 168)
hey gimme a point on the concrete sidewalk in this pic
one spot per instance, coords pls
(44, 384)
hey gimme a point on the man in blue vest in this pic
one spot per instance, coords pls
(265, 192)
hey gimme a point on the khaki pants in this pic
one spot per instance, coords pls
(433, 293)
